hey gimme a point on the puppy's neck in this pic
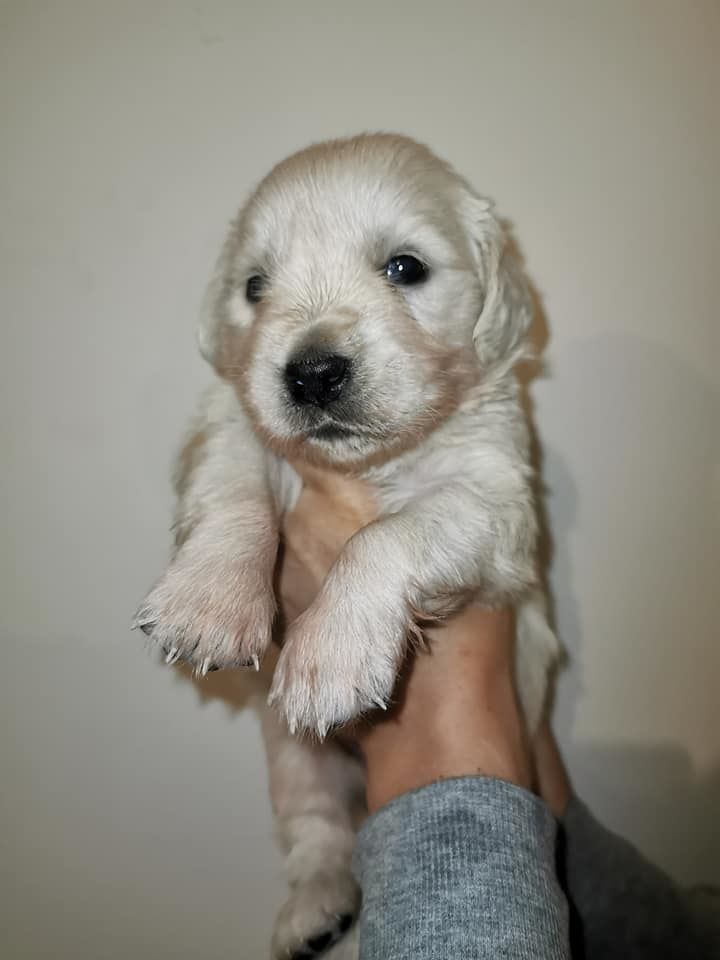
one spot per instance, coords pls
(351, 497)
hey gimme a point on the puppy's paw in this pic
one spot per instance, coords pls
(338, 661)
(316, 915)
(209, 612)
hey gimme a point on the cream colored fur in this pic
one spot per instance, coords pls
(438, 436)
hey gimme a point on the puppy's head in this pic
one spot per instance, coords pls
(361, 293)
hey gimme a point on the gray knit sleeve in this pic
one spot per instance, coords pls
(461, 870)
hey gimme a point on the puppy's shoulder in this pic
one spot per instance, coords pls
(485, 438)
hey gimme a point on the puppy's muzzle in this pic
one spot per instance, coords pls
(317, 379)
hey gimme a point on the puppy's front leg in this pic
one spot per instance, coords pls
(215, 605)
(342, 655)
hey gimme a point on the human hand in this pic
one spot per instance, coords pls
(455, 711)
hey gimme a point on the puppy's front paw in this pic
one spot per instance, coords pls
(338, 661)
(209, 612)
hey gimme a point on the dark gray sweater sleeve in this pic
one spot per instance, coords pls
(461, 870)
(624, 906)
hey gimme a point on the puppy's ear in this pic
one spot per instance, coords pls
(214, 309)
(507, 308)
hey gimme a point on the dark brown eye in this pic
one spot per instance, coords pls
(405, 270)
(254, 288)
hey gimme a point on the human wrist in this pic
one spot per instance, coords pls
(395, 768)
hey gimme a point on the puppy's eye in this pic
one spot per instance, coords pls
(405, 270)
(254, 288)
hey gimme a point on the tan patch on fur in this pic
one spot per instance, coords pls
(234, 352)
(190, 456)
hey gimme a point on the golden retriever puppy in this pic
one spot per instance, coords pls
(365, 317)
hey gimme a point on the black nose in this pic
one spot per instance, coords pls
(317, 378)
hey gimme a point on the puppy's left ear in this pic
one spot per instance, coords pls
(507, 309)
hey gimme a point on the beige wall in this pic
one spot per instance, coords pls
(136, 813)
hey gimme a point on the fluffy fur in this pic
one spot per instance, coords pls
(432, 423)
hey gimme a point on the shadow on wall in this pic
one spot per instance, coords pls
(653, 796)
(649, 523)
(241, 689)
(648, 534)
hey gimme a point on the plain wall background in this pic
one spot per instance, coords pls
(134, 810)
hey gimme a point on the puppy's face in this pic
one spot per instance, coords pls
(347, 299)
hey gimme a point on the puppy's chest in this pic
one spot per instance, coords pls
(377, 492)
(393, 488)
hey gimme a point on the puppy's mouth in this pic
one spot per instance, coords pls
(331, 431)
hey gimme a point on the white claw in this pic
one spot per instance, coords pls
(256, 662)
(205, 667)
(380, 703)
(173, 656)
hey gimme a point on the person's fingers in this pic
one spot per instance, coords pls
(316, 532)
(297, 586)
(328, 512)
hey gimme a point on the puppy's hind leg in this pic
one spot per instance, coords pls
(315, 789)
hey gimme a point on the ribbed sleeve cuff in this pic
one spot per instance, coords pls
(461, 869)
